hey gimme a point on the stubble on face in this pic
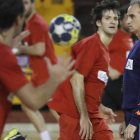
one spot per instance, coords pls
(28, 12)
(28, 8)
(109, 22)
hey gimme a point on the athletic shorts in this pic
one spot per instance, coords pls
(70, 128)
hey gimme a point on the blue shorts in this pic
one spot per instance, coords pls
(128, 115)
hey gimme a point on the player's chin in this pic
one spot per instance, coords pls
(112, 32)
(131, 30)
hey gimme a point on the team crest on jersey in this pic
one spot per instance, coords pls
(102, 76)
(129, 64)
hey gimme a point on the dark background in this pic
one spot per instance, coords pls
(82, 13)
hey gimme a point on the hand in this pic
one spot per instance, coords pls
(17, 40)
(113, 73)
(107, 114)
(60, 71)
(86, 130)
(121, 130)
(129, 131)
(16, 44)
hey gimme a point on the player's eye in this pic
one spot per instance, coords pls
(132, 16)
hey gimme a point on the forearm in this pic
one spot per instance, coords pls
(79, 96)
(45, 91)
(35, 98)
(32, 50)
(37, 49)
(135, 115)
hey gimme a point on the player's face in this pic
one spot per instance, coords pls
(133, 18)
(109, 22)
(124, 25)
(28, 7)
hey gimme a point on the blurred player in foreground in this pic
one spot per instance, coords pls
(12, 79)
(131, 98)
(119, 49)
(79, 99)
(38, 46)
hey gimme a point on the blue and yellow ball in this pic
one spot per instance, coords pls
(64, 30)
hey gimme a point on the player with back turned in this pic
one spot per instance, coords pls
(79, 99)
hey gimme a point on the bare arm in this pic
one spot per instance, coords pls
(77, 82)
(37, 49)
(107, 114)
(35, 98)
(113, 73)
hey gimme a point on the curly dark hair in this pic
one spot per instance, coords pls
(100, 8)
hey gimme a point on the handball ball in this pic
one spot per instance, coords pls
(64, 30)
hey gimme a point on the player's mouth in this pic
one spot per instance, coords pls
(112, 27)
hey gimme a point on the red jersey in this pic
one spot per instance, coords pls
(11, 76)
(119, 49)
(39, 33)
(92, 61)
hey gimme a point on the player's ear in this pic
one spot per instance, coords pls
(17, 22)
(98, 23)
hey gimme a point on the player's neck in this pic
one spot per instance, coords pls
(105, 38)
(31, 15)
(6, 37)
